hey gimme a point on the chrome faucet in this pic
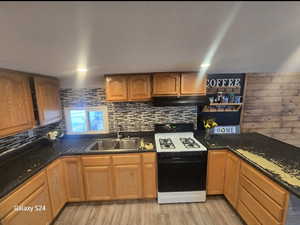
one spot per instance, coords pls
(120, 127)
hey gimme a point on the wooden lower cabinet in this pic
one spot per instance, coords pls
(120, 176)
(231, 184)
(73, 179)
(128, 181)
(98, 183)
(149, 180)
(33, 193)
(56, 183)
(216, 172)
(258, 199)
(248, 217)
(264, 199)
(40, 215)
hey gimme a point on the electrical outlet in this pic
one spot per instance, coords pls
(30, 133)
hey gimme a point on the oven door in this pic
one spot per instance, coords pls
(179, 172)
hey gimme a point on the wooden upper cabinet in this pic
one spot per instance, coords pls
(16, 111)
(232, 173)
(48, 100)
(216, 172)
(139, 87)
(193, 84)
(56, 183)
(166, 84)
(116, 88)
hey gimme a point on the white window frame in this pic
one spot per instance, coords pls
(87, 109)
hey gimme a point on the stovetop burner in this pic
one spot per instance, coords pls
(189, 142)
(177, 142)
(166, 143)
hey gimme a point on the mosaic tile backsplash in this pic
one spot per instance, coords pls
(16, 141)
(133, 116)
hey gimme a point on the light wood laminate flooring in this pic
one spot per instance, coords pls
(215, 211)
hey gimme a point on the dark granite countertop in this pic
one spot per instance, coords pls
(286, 155)
(19, 165)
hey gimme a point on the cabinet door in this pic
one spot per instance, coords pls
(16, 111)
(193, 84)
(149, 180)
(73, 178)
(48, 100)
(216, 172)
(116, 88)
(232, 173)
(139, 87)
(166, 84)
(128, 181)
(57, 189)
(41, 213)
(98, 182)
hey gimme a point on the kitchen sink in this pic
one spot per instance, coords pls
(114, 144)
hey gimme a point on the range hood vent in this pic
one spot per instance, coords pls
(180, 100)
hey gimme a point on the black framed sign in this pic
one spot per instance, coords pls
(226, 83)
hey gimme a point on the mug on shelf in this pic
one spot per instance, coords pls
(225, 99)
(231, 98)
(237, 99)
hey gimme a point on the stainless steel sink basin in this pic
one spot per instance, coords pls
(129, 143)
(113, 144)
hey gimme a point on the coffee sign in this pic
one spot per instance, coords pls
(225, 82)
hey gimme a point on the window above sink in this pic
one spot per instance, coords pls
(86, 120)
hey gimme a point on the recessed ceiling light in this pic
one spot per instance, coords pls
(204, 65)
(82, 70)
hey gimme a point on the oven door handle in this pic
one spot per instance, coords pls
(178, 160)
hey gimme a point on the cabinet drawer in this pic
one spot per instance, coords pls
(272, 189)
(263, 216)
(149, 157)
(96, 160)
(268, 203)
(126, 159)
(7, 204)
(39, 197)
(248, 217)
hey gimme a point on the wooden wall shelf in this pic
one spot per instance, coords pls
(223, 104)
(215, 107)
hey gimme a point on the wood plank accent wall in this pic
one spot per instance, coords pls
(272, 106)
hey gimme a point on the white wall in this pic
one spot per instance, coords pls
(83, 82)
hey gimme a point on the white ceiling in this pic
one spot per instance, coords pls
(55, 38)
